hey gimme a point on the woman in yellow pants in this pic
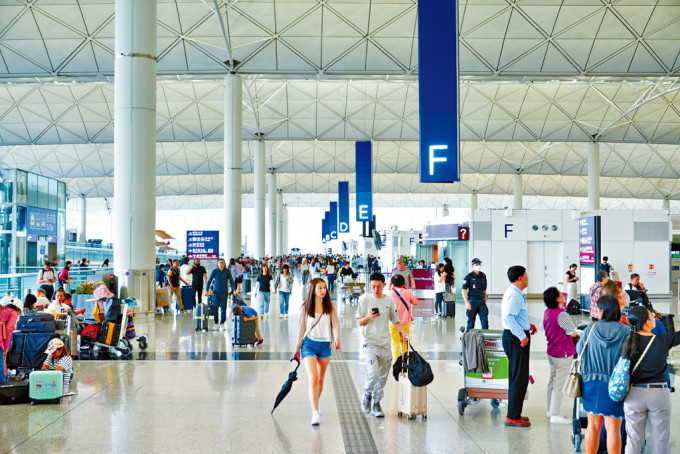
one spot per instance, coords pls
(403, 300)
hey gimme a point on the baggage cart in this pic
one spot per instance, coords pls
(492, 385)
(351, 291)
(119, 344)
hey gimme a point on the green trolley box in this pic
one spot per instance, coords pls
(46, 385)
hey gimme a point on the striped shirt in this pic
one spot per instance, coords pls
(66, 362)
(564, 321)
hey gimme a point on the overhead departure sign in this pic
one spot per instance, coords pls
(203, 244)
(343, 206)
(333, 221)
(364, 183)
(438, 91)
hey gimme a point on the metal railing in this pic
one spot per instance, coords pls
(21, 284)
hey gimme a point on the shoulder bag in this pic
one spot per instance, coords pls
(402, 301)
(572, 387)
(619, 383)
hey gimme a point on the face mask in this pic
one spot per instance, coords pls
(476, 267)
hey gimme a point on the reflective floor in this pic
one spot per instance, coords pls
(196, 393)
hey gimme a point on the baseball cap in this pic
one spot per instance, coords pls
(475, 261)
(54, 345)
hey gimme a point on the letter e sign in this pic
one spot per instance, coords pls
(463, 233)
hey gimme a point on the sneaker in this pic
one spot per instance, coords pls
(259, 342)
(366, 404)
(280, 315)
(516, 422)
(377, 411)
(316, 418)
(559, 419)
(547, 414)
(285, 316)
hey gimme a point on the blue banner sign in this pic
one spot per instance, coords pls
(343, 206)
(364, 183)
(438, 91)
(41, 222)
(333, 221)
(203, 244)
(324, 228)
(327, 230)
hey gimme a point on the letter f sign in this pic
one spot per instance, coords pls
(434, 148)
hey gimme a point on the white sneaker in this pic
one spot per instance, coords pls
(559, 419)
(316, 418)
(547, 414)
(280, 315)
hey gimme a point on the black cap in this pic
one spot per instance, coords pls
(475, 261)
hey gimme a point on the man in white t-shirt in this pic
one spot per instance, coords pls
(184, 272)
(375, 313)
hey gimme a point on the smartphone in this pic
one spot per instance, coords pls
(376, 310)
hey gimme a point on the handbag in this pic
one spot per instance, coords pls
(619, 382)
(419, 370)
(572, 387)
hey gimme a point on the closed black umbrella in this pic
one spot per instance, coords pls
(287, 386)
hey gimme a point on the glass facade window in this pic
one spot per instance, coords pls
(53, 195)
(61, 195)
(43, 192)
(6, 186)
(32, 199)
(6, 219)
(22, 187)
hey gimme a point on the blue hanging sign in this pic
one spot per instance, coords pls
(203, 244)
(364, 181)
(343, 206)
(41, 222)
(438, 91)
(327, 230)
(333, 221)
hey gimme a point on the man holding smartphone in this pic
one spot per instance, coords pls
(375, 313)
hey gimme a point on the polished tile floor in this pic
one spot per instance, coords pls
(192, 392)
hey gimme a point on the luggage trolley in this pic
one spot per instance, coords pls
(120, 346)
(351, 291)
(493, 385)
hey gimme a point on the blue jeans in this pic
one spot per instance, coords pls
(3, 375)
(438, 301)
(264, 302)
(331, 282)
(284, 297)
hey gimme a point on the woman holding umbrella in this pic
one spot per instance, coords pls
(319, 326)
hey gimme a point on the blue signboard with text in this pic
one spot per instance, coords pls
(438, 91)
(203, 244)
(364, 183)
(343, 206)
(333, 221)
(41, 222)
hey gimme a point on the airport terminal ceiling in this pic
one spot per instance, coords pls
(538, 80)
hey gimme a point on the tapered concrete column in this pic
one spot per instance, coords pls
(593, 176)
(279, 223)
(517, 195)
(473, 200)
(284, 239)
(271, 207)
(134, 145)
(233, 163)
(82, 231)
(260, 185)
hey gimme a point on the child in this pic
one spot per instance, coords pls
(248, 312)
(58, 358)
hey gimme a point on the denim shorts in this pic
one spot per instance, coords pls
(310, 347)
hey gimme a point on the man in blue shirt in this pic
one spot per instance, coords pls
(160, 276)
(221, 279)
(516, 343)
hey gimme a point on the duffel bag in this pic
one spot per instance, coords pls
(37, 322)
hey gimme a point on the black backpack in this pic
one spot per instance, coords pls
(606, 267)
(574, 307)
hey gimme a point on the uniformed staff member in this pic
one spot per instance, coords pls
(474, 294)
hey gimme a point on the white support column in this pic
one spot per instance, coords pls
(82, 231)
(134, 156)
(284, 239)
(259, 189)
(473, 201)
(517, 199)
(279, 223)
(593, 176)
(233, 162)
(271, 206)
(667, 204)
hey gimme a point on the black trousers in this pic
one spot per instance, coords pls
(478, 307)
(197, 291)
(220, 302)
(518, 359)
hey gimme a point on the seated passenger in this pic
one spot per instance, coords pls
(637, 291)
(29, 302)
(58, 306)
(42, 301)
(58, 358)
(248, 314)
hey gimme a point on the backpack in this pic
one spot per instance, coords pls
(606, 267)
(574, 307)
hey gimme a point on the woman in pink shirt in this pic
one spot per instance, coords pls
(403, 300)
(8, 320)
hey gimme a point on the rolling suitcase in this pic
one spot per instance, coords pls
(110, 334)
(46, 385)
(201, 317)
(187, 294)
(244, 331)
(14, 392)
(37, 322)
(449, 309)
(27, 350)
(412, 399)
(667, 320)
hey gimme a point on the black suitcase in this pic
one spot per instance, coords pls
(37, 322)
(27, 350)
(14, 392)
(449, 308)
(244, 332)
(667, 320)
(201, 317)
(247, 284)
(187, 294)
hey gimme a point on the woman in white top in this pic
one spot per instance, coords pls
(319, 326)
(305, 271)
(439, 289)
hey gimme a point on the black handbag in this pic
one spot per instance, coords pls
(419, 370)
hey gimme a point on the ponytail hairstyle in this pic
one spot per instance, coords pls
(632, 348)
